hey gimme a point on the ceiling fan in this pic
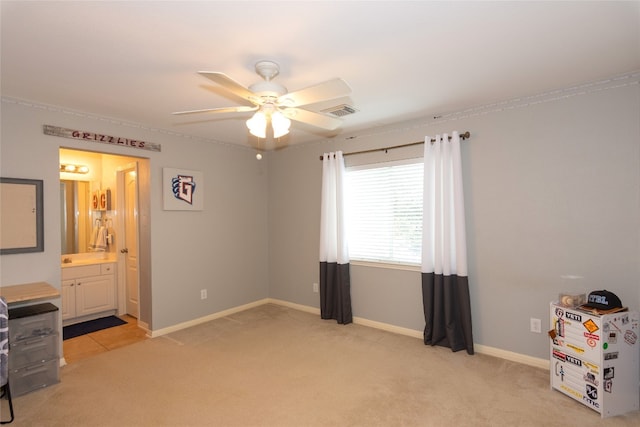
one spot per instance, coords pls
(274, 104)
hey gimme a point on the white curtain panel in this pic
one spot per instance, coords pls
(444, 247)
(445, 285)
(335, 281)
(333, 241)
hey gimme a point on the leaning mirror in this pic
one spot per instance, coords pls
(21, 216)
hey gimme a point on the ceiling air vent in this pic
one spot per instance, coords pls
(340, 110)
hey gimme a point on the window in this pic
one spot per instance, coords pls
(384, 212)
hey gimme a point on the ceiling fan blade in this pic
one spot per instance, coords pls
(219, 110)
(314, 119)
(330, 89)
(232, 86)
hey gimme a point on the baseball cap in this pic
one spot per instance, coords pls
(603, 300)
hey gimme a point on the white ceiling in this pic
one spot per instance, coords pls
(137, 61)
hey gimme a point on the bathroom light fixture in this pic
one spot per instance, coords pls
(70, 168)
(258, 123)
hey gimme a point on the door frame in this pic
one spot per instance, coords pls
(144, 233)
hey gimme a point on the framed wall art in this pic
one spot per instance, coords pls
(182, 190)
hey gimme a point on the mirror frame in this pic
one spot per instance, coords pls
(38, 226)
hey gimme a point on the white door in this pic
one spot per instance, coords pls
(131, 241)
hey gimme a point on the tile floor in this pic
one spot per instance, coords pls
(105, 340)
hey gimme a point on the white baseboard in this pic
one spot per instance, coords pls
(514, 357)
(482, 349)
(295, 306)
(387, 327)
(218, 315)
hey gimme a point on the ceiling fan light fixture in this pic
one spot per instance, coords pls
(258, 125)
(273, 103)
(280, 124)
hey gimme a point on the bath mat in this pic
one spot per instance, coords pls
(83, 328)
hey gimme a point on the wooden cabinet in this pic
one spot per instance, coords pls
(88, 290)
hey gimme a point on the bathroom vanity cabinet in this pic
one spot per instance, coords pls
(88, 290)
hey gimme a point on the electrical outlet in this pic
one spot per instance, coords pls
(203, 294)
(315, 288)
(536, 325)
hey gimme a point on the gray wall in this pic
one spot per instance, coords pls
(222, 248)
(552, 189)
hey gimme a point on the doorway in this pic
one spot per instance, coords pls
(128, 179)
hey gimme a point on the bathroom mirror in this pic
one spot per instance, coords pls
(75, 216)
(21, 216)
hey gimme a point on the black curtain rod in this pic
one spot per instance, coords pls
(463, 136)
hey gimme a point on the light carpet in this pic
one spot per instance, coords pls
(276, 366)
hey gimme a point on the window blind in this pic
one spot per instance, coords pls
(384, 212)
